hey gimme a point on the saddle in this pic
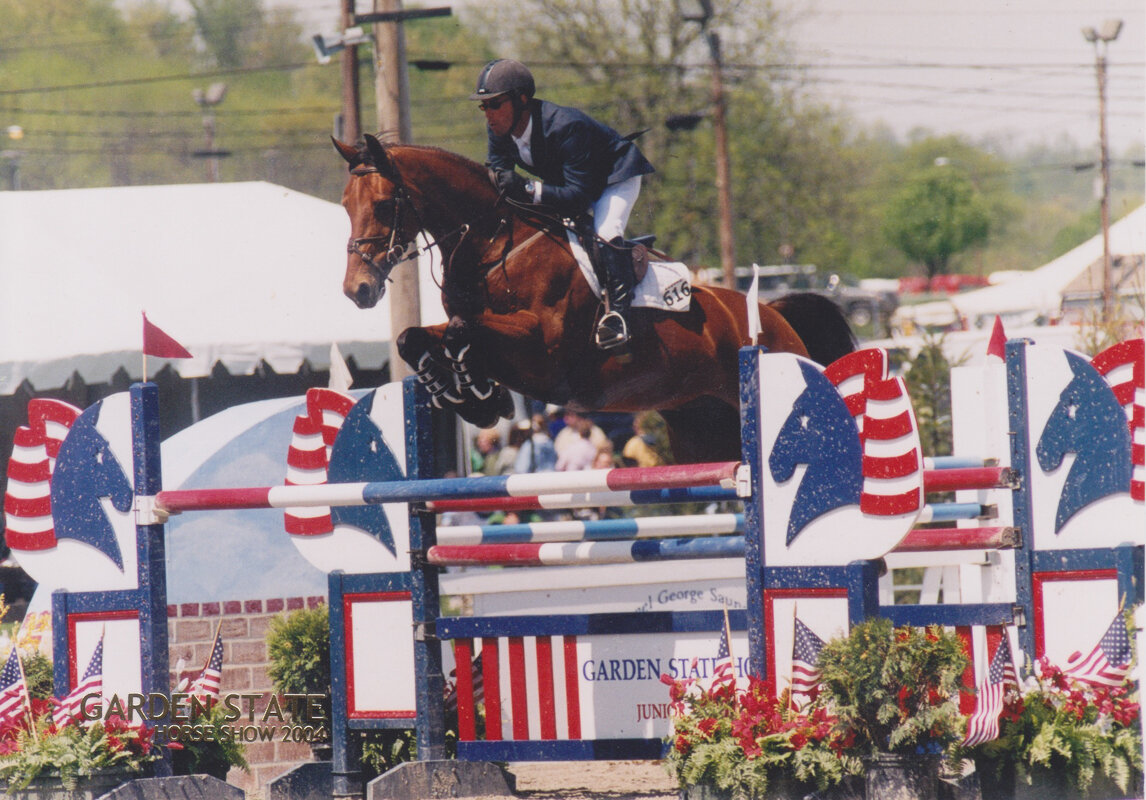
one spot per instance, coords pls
(638, 248)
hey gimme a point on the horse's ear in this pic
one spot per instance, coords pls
(379, 157)
(347, 151)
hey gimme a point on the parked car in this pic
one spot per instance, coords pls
(862, 307)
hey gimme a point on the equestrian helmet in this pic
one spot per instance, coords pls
(501, 76)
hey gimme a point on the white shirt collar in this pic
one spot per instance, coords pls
(523, 141)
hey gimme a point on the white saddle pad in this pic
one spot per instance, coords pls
(666, 285)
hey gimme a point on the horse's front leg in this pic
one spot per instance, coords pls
(485, 400)
(442, 359)
(421, 348)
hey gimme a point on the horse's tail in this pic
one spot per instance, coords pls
(819, 323)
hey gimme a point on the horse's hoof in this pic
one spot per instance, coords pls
(506, 408)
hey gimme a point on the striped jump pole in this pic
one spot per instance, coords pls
(420, 491)
(926, 540)
(542, 502)
(552, 554)
(949, 480)
(592, 530)
(704, 525)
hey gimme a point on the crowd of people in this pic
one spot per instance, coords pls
(562, 440)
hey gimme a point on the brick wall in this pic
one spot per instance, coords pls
(243, 628)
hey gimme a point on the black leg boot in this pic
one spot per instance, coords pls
(617, 261)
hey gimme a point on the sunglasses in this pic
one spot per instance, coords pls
(493, 104)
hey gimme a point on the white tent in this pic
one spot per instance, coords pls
(237, 272)
(1035, 294)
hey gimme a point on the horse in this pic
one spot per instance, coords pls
(521, 315)
(1088, 421)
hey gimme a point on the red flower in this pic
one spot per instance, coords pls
(706, 726)
(681, 744)
(798, 740)
(901, 700)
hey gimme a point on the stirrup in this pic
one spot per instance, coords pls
(612, 331)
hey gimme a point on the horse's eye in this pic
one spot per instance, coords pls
(384, 209)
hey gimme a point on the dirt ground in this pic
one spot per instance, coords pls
(593, 780)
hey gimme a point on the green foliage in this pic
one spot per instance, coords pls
(298, 648)
(929, 384)
(386, 749)
(214, 749)
(72, 752)
(746, 741)
(895, 688)
(1061, 727)
(937, 214)
(38, 675)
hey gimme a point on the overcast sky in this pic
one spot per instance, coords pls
(1020, 67)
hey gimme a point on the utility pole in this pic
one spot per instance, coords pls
(701, 12)
(207, 100)
(351, 115)
(1100, 39)
(392, 96)
(723, 176)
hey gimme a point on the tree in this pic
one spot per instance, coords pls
(937, 214)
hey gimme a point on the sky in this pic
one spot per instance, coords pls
(1019, 68)
(1016, 68)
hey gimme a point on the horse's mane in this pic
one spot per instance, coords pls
(457, 160)
(479, 173)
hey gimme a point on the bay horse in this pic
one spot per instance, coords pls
(521, 315)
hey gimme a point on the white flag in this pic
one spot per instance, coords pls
(754, 305)
(340, 378)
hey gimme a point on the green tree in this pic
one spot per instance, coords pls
(937, 214)
(224, 26)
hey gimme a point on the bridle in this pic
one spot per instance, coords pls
(395, 253)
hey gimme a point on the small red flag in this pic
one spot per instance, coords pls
(159, 344)
(998, 344)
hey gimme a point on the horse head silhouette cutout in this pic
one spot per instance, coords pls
(360, 453)
(1088, 422)
(87, 472)
(821, 433)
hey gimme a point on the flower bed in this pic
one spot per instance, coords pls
(1061, 735)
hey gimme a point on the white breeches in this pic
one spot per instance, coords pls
(612, 209)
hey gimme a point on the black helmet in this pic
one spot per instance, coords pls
(501, 76)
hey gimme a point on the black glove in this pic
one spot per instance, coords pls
(510, 184)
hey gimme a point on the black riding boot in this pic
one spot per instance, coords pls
(617, 263)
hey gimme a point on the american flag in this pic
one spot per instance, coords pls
(983, 724)
(14, 700)
(724, 651)
(1109, 662)
(478, 685)
(209, 680)
(806, 647)
(91, 683)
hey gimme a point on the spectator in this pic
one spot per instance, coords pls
(483, 456)
(578, 450)
(575, 425)
(642, 448)
(506, 459)
(536, 453)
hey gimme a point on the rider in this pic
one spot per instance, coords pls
(580, 164)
